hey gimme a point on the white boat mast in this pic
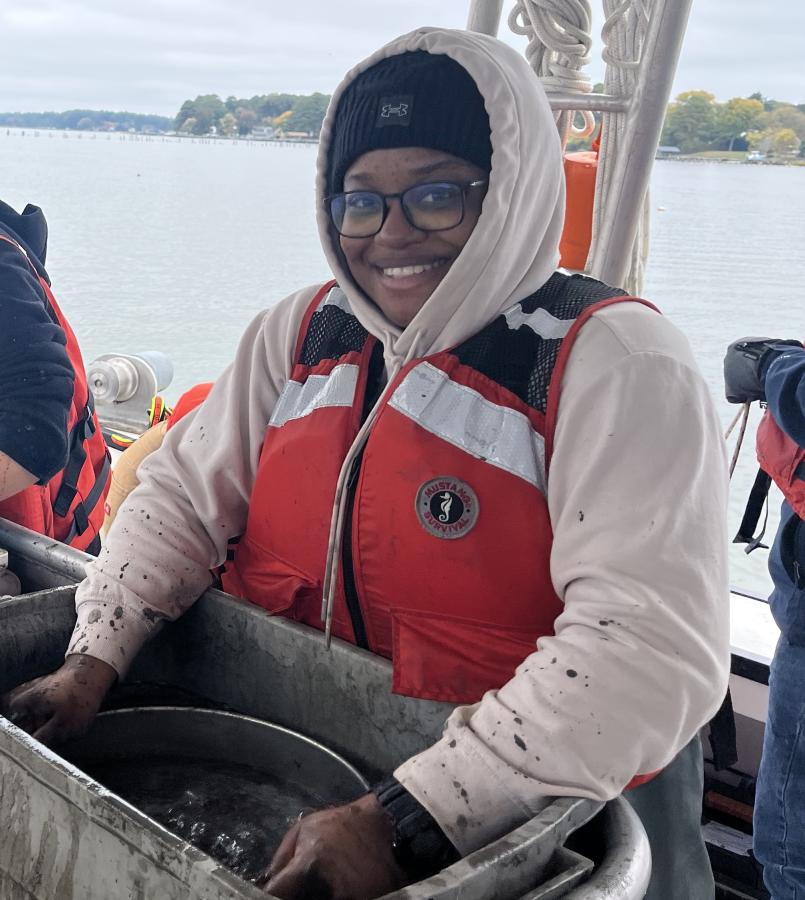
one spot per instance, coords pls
(642, 40)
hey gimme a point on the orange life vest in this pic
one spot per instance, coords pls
(447, 537)
(189, 400)
(783, 460)
(69, 507)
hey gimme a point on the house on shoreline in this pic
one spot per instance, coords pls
(667, 152)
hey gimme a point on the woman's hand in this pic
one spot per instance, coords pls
(61, 705)
(343, 853)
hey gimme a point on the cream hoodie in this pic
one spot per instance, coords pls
(636, 493)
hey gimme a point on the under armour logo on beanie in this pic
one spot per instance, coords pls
(395, 110)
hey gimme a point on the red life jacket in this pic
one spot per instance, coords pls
(447, 538)
(189, 400)
(783, 460)
(69, 507)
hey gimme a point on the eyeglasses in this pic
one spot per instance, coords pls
(435, 206)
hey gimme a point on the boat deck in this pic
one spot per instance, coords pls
(753, 637)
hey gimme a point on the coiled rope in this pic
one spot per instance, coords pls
(559, 44)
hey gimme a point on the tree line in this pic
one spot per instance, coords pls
(88, 120)
(273, 113)
(697, 122)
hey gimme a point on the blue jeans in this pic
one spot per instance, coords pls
(780, 802)
(670, 808)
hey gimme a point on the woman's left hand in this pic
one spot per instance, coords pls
(343, 853)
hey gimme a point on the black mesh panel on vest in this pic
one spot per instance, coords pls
(518, 358)
(331, 334)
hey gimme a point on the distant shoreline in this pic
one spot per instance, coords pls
(89, 134)
(732, 157)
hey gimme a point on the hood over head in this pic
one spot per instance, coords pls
(513, 249)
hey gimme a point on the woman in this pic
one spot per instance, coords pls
(469, 455)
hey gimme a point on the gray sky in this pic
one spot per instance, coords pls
(151, 55)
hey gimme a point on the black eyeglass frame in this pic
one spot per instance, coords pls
(328, 204)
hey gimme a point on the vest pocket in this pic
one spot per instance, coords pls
(271, 582)
(440, 657)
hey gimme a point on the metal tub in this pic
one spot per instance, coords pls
(68, 837)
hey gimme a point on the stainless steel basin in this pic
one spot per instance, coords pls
(66, 836)
(185, 733)
(229, 784)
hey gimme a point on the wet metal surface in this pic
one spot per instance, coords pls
(69, 837)
(65, 837)
(236, 814)
(230, 785)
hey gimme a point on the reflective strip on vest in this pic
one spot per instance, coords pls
(335, 297)
(541, 322)
(459, 415)
(300, 399)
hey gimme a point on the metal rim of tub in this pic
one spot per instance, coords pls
(212, 734)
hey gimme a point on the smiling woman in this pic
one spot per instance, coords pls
(400, 265)
(431, 126)
(436, 456)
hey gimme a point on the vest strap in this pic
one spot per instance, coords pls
(83, 510)
(758, 498)
(81, 432)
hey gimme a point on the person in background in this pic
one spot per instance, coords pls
(54, 467)
(774, 371)
(507, 480)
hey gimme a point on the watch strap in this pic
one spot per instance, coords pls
(419, 844)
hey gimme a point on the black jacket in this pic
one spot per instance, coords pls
(36, 377)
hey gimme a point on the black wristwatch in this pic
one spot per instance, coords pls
(419, 844)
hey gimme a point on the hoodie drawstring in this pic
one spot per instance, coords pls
(336, 538)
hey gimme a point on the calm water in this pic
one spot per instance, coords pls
(176, 245)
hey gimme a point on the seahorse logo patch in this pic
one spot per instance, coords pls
(447, 507)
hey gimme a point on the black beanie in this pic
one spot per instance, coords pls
(414, 99)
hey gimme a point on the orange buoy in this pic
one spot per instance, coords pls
(581, 168)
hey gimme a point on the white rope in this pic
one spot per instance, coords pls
(624, 34)
(625, 19)
(559, 43)
(743, 415)
(733, 423)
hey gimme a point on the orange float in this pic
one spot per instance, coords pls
(581, 169)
